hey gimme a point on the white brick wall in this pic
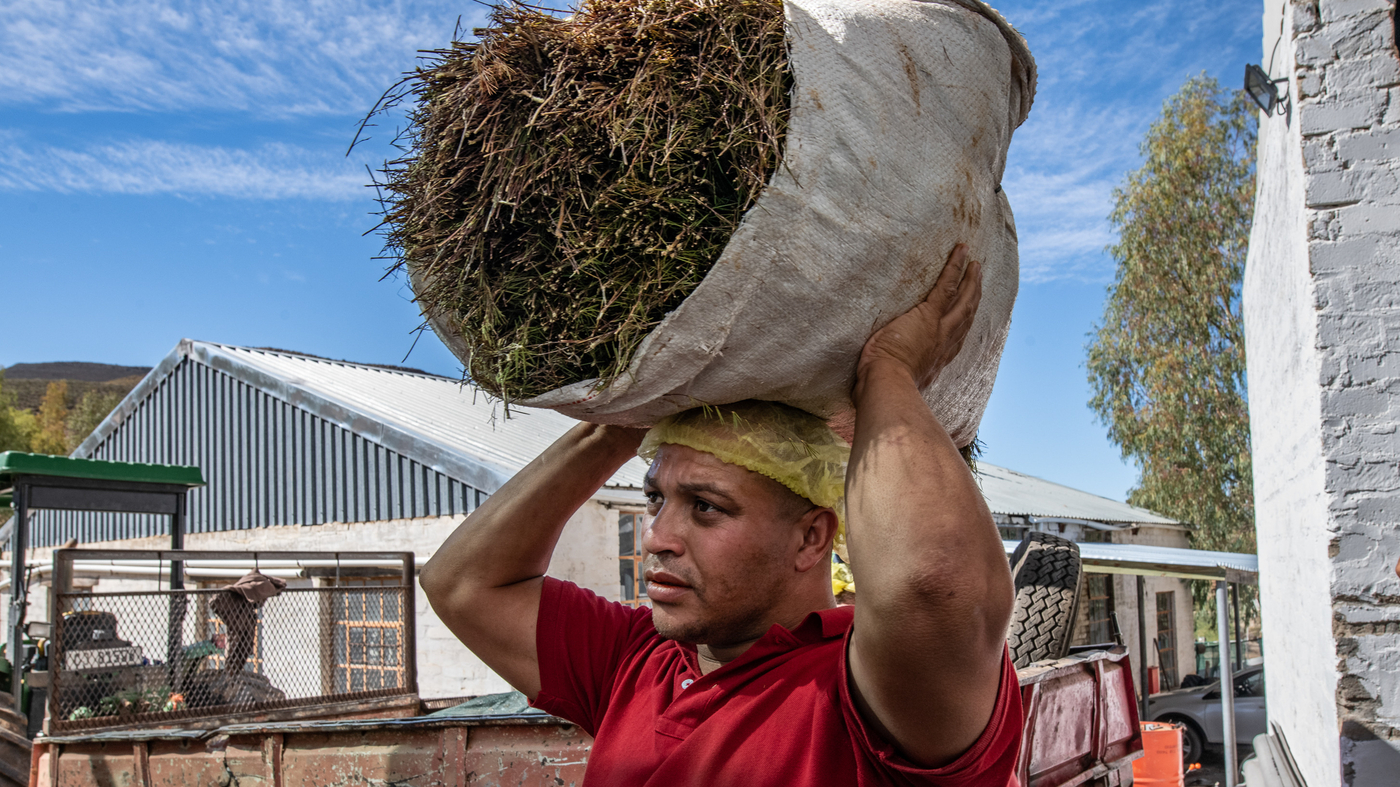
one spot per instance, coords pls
(1321, 290)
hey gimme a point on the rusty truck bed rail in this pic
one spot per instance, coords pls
(1081, 729)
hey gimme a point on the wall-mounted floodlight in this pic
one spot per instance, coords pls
(1264, 90)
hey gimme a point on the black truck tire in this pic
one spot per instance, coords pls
(1047, 574)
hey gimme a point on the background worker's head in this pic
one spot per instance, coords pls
(746, 503)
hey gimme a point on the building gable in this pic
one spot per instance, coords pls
(273, 454)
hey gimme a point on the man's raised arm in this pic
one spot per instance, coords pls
(935, 594)
(485, 580)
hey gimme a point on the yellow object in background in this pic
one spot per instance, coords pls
(841, 578)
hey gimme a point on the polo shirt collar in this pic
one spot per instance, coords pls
(819, 625)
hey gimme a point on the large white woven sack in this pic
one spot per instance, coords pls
(901, 114)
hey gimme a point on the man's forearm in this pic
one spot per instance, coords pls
(511, 537)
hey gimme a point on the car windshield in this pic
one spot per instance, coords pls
(1251, 685)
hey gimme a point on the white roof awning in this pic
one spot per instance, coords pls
(1153, 561)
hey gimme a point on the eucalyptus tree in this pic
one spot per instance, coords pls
(1167, 361)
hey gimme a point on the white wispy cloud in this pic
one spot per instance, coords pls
(270, 57)
(1105, 67)
(156, 167)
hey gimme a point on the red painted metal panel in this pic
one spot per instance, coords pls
(1081, 725)
(1081, 720)
(553, 756)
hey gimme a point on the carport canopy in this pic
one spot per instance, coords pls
(1152, 561)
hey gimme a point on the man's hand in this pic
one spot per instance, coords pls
(928, 337)
(935, 591)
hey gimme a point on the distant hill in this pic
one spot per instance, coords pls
(73, 371)
(29, 381)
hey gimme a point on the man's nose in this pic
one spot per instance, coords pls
(662, 533)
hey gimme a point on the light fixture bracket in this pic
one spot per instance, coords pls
(1264, 90)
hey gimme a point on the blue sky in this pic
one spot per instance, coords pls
(178, 168)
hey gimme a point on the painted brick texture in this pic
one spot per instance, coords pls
(1344, 129)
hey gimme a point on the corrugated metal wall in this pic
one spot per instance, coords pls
(267, 462)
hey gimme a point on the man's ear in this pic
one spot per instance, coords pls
(818, 533)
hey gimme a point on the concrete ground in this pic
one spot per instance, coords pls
(1212, 770)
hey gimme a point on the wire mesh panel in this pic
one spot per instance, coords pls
(158, 656)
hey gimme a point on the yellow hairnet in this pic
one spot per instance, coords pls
(790, 446)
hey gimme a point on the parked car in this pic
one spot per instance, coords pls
(1198, 708)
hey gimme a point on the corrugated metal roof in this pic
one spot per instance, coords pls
(457, 430)
(435, 410)
(1017, 494)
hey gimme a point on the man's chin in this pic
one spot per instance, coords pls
(676, 627)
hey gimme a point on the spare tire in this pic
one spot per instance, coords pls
(1047, 573)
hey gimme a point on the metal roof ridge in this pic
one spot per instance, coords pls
(294, 355)
(128, 404)
(477, 473)
(1039, 480)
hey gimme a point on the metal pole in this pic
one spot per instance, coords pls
(1239, 639)
(177, 543)
(1142, 648)
(175, 623)
(19, 544)
(1227, 682)
(410, 624)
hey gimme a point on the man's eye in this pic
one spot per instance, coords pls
(704, 507)
(654, 498)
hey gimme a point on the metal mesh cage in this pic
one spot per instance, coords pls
(155, 656)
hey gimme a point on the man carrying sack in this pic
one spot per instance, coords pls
(744, 671)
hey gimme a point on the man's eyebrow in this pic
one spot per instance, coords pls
(705, 487)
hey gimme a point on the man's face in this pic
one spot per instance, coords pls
(721, 547)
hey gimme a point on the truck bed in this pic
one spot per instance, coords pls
(1081, 728)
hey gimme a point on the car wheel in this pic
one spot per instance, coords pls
(1193, 742)
(1047, 573)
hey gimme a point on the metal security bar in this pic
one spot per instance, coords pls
(156, 657)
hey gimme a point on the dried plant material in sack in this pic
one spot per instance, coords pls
(898, 122)
(574, 179)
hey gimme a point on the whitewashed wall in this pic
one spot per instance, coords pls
(586, 555)
(1322, 286)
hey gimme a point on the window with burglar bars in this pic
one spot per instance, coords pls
(1166, 638)
(630, 527)
(1100, 608)
(366, 651)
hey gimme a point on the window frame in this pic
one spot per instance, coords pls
(631, 592)
(1099, 625)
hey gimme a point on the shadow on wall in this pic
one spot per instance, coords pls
(1367, 759)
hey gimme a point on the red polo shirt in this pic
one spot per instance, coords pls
(780, 714)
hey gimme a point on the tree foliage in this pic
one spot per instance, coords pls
(89, 413)
(1167, 364)
(16, 426)
(52, 437)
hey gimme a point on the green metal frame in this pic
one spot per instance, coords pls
(14, 463)
(38, 481)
